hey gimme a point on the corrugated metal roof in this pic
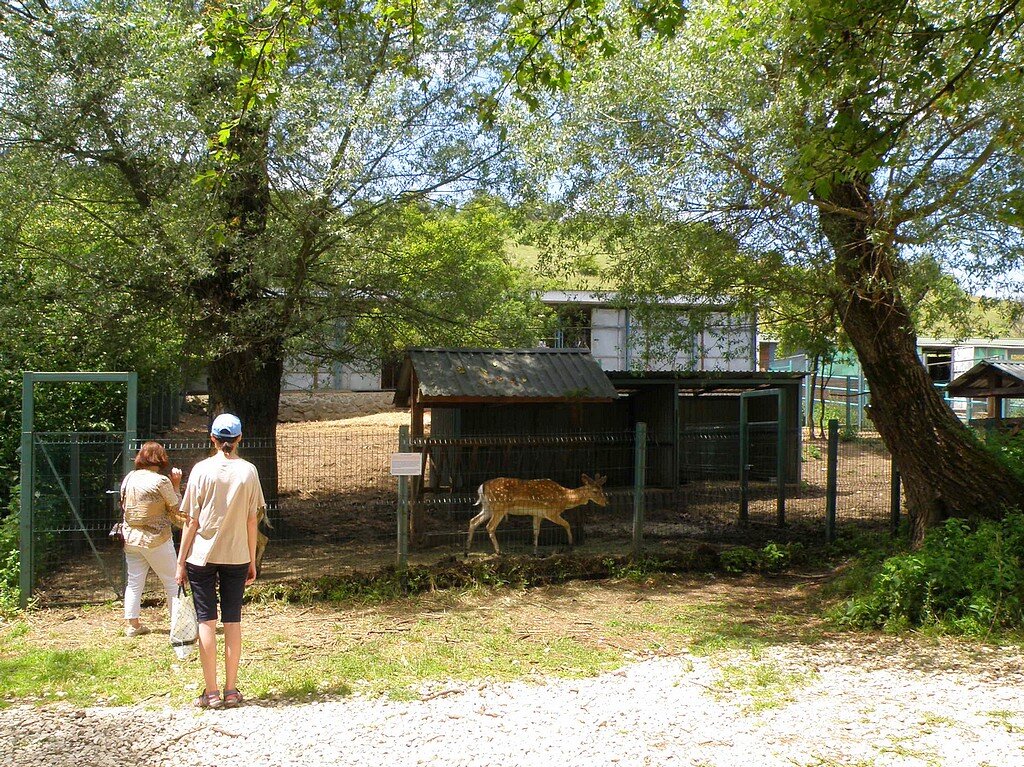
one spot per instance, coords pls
(976, 381)
(552, 375)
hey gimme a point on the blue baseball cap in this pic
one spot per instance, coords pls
(226, 426)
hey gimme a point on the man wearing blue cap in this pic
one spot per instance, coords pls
(223, 501)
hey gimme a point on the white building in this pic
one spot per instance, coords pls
(688, 335)
(697, 337)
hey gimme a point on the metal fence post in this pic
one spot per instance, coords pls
(25, 536)
(831, 484)
(639, 484)
(403, 503)
(744, 463)
(894, 497)
(781, 428)
(131, 413)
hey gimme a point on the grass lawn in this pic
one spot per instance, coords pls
(407, 648)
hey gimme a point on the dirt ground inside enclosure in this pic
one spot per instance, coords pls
(300, 409)
(341, 517)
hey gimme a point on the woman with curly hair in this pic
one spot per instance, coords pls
(149, 499)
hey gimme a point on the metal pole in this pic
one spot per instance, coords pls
(25, 533)
(808, 393)
(831, 484)
(744, 461)
(639, 483)
(860, 401)
(403, 504)
(849, 405)
(130, 421)
(75, 475)
(780, 459)
(894, 498)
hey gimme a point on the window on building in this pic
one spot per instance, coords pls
(390, 367)
(572, 330)
(939, 363)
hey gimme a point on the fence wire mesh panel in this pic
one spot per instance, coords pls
(455, 468)
(705, 503)
(332, 501)
(864, 478)
(336, 503)
(73, 511)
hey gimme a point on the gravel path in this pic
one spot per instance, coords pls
(833, 704)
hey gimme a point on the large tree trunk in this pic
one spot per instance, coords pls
(249, 385)
(246, 380)
(945, 471)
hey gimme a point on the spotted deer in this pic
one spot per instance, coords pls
(538, 498)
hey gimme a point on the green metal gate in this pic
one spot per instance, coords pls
(55, 500)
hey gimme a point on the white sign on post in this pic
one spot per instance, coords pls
(406, 464)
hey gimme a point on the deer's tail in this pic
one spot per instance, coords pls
(479, 495)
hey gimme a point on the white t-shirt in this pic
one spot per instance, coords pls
(222, 493)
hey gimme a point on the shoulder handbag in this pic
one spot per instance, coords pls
(116, 534)
(184, 624)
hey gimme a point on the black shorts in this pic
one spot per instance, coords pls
(204, 581)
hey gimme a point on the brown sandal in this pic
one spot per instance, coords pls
(232, 698)
(209, 700)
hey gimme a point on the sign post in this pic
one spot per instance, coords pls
(404, 464)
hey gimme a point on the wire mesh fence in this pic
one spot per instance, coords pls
(333, 507)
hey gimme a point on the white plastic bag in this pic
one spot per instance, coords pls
(184, 624)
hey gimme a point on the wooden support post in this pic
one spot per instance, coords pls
(417, 523)
(780, 458)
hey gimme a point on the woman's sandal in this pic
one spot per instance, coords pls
(232, 698)
(209, 700)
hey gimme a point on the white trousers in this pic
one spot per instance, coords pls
(164, 562)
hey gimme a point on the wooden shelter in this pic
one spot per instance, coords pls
(994, 380)
(693, 417)
(446, 379)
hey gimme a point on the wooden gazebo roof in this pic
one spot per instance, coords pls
(990, 378)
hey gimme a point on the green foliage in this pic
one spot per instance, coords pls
(523, 572)
(963, 579)
(10, 565)
(772, 558)
(457, 283)
(248, 181)
(1008, 447)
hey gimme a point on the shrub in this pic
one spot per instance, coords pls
(1009, 448)
(741, 559)
(10, 566)
(962, 580)
(773, 558)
